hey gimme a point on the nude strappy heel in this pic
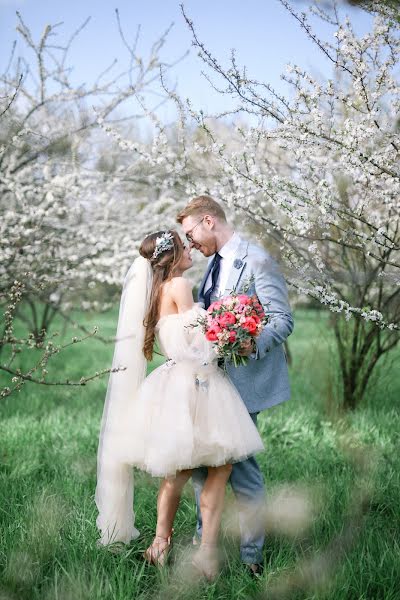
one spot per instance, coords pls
(157, 552)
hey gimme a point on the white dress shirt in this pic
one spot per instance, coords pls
(227, 254)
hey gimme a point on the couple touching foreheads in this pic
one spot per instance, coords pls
(190, 417)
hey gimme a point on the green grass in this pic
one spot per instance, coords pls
(48, 475)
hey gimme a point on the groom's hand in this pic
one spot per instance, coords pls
(247, 348)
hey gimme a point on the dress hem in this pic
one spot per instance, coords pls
(184, 467)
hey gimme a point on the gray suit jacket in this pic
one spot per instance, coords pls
(264, 381)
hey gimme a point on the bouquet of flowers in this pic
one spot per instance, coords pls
(232, 322)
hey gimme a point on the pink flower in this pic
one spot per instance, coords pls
(213, 322)
(243, 299)
(229, 302)
(214, 306)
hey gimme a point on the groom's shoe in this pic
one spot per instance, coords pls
(255, 570)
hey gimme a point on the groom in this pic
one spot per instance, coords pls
(238, 265)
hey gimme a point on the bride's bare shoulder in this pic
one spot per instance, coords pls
(180, 283)
(180, 290)
(177, 286)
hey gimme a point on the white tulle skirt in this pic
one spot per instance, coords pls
(187, 416)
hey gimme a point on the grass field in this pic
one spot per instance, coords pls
(48, 443)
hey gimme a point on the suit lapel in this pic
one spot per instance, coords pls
(237, 271)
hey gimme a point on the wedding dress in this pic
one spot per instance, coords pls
(187, 412)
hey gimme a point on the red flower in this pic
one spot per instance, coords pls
(250, 324)
(211, 333)
(232, 336)
(226, 319)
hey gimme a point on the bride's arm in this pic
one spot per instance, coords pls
(181, 293)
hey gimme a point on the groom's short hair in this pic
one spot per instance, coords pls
(200, 206)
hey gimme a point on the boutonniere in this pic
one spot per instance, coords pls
(238, 264)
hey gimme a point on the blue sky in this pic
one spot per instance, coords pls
(264, 35)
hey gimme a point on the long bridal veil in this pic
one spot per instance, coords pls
(114, 491)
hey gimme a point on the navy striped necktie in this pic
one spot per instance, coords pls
(214, 279)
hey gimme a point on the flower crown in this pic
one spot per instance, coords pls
(163, 243)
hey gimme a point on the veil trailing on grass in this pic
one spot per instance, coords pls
(114, 491)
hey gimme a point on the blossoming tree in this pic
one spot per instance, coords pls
(66, 227)
(331, 199)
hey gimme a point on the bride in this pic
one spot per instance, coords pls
(186, 413)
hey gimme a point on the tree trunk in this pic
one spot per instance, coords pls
(351, 397)
(359, 347)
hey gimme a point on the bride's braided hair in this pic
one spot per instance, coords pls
(163, 268)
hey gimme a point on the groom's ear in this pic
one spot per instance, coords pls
(209, 220)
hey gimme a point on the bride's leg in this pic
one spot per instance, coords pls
(167, 504)
(211, 506)
(169, 496)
